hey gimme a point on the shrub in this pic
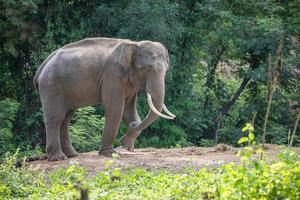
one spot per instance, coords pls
(207, 143)
(163, 134)
(8, 109)
(85, 129)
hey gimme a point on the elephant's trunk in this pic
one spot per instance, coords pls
(155, 89)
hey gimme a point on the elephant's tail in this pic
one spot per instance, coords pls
(39, 71)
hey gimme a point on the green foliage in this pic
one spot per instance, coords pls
(259, 180)
(251, 179)
(154, 20)
(163, 134)
(19, 182)
(8, 109)
(207, 143)
(250, 138)
(86, 129)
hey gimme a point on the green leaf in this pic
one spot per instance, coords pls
(242, 140)
(248, 127)
(245, 128)
(251, 136)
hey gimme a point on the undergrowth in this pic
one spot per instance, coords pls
(251, 178)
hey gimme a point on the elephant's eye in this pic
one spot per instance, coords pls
(143, 67)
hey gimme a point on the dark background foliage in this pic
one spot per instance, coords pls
(218, 50)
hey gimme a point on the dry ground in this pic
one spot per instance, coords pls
(152, 158)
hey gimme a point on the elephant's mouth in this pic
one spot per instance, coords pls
(152, 107)
(152, 115)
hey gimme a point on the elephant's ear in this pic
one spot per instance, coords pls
(166, 54)
(126, 54)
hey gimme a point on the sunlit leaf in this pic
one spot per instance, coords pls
(251, 136)
(242, 140)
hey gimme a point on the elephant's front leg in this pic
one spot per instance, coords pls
(113, 103)
(130, 116)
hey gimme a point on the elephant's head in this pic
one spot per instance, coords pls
(146, 63)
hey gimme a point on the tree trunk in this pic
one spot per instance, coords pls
(254, 64)
(224, 110)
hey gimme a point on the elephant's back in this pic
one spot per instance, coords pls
(84, 56)
(105, 43)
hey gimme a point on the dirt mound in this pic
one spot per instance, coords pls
(152, 158)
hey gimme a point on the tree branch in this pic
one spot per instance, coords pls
(224, 110)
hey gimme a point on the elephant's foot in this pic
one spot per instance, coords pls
(127, 143)
(70, 152)
(57, 157)
(107, 152)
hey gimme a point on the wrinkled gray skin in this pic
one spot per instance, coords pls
(100, 70)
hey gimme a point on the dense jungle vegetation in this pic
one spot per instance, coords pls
(231, 61)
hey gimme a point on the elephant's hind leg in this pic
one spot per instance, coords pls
(54, 114)
(65, 143)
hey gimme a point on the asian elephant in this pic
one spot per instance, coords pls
(101, 70)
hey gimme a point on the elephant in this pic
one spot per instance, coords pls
(106, 71)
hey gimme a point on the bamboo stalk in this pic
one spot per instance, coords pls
(273, 77)
(269, 100)
(253, 118)
(294, 131)
(289, 138)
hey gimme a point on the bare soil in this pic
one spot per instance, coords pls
(174, 160)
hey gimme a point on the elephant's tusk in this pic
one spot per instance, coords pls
(149, 98)
(168, 112)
